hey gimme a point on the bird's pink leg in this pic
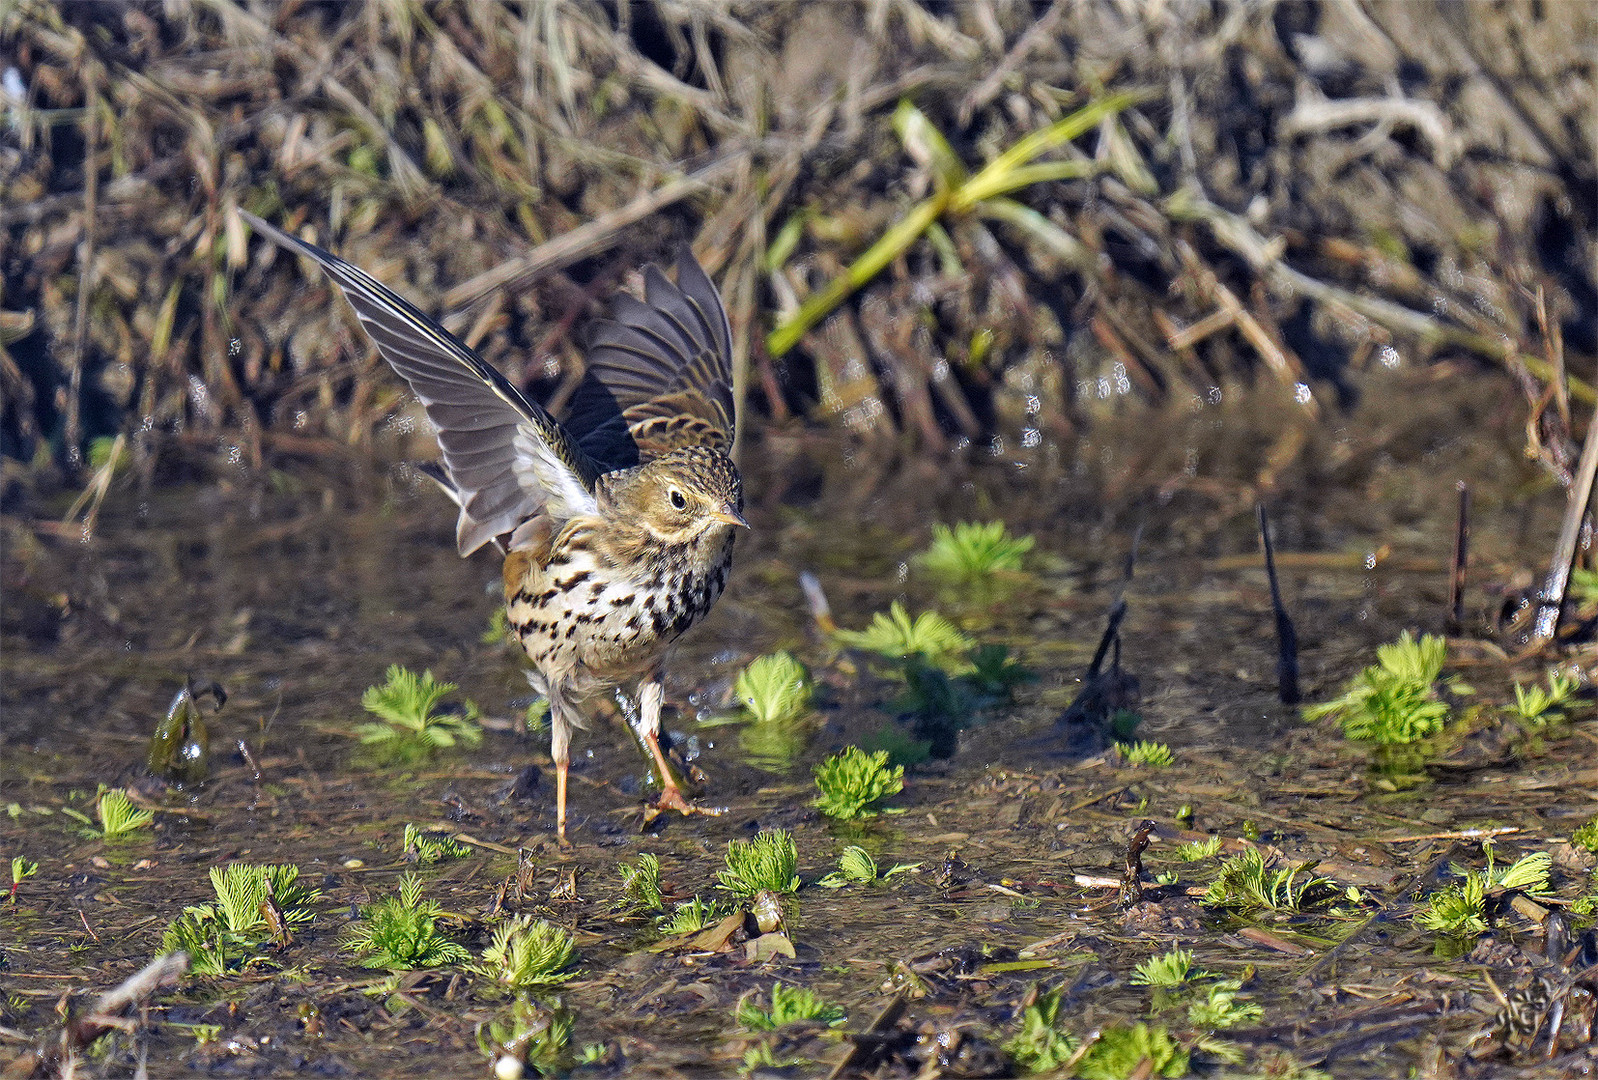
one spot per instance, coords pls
(651, 693)
(560, 735)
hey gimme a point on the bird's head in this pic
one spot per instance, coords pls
(680, 497)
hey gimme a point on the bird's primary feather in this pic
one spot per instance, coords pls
(659, 372)
(508, 459)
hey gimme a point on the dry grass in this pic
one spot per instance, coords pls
(1254, 198)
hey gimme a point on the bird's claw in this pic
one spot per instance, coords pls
(673, 799)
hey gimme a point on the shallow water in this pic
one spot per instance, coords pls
(296, 589)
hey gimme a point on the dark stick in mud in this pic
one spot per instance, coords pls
(1456, 576)
(1286, 636)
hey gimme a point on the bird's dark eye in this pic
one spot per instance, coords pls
(677, 501)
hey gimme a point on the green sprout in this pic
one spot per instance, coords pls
(1220, 1008)
(1587, 903)
(1246, 885)
(971, 552)
(1156, 755)
(1123, 1051)
(1194, 850)
(769, 862)
(1459, 910)
(1166, 971)
(1584, 586)
(776, 689)
(855, 867)
(1397, 700)
(1537, 708)
(640, 884)
(1041, 1045)
(525, 953)
(690, 917)
(425, 849)
(897, 636)
(1586, 836)
(118, 816)
(498, 628)
(789, 1004)
(409, 729)
(851, 780)
(531, 1035)
(401, 932)
(254, 904)
(21, 870)
(761, 1056)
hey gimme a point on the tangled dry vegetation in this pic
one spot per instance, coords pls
(986, 223)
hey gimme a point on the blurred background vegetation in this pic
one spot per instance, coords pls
(938, 226)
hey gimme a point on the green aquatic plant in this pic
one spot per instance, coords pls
(526, 953)
(690, 917)
(1397, 700)
(850, 781)
(788, 1005)
(408, 729)
(1166, 971)
(1194, 850)
(1537, 708)
(1458, 910)
(855, 867)
(255, 904)
(401, 932)
(776, 689)
(1587, 903)
(498, 628)
(762, 1056)
(640, 884)
(21, 870)
(118, 817)
(1138, 1049)
(971, 552)
(897, 636)
(1586, 836)
(1153, 754)
(1042, 1045)
(1219, 1008)
(425, 848)
(531, 1035)
(1245, 884)
(769, 862)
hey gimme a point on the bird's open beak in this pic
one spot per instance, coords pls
(730, 516)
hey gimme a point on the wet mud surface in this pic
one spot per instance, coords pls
(295, 590)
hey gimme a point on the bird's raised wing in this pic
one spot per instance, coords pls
(659, 373)
(508, 459)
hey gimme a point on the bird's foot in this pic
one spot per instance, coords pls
(672, 798)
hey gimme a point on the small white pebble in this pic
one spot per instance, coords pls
(508, 1068)
(354, 864)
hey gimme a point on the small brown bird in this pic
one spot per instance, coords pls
(618, 523)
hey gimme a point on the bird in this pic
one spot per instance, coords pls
(618, 522)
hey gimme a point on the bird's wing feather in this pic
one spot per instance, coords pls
(659, 372)
(507, 458)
